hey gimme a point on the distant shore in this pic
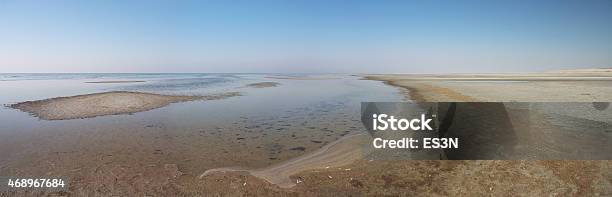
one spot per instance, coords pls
(566, 86)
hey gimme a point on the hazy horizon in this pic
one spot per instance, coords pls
(304, 36)
(305, 73)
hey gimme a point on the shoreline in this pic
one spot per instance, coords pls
(532, 87)
(416, 88)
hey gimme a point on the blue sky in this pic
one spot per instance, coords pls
(304, 36)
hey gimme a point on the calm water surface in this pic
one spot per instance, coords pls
(264, 126)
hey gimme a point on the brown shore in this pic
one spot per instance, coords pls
(105, 103)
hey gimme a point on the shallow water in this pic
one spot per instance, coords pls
(265, 126)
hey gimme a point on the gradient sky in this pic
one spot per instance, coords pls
(304, 36)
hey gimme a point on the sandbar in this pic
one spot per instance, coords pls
(105, 103)
(303, 77)
(123, 81)
(263, 85)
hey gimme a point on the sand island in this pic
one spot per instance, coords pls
(263, 85)
(105, 103)
(117, 81)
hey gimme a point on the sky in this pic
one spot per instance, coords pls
(309, 36)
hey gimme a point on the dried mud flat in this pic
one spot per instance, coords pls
(106, 103)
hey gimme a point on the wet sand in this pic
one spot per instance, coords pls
(159, 157)
(105, 103)
(342, 152)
